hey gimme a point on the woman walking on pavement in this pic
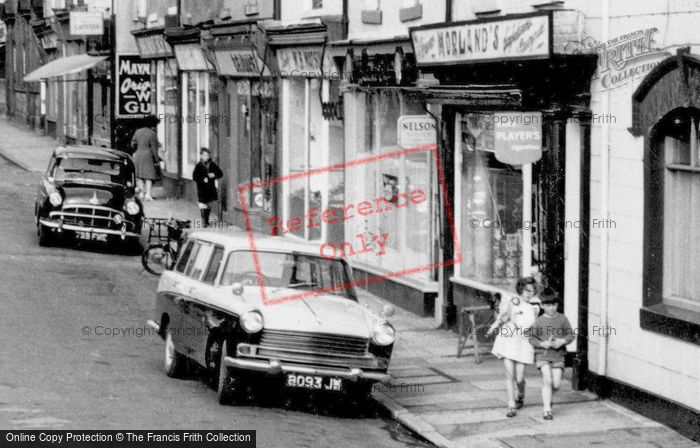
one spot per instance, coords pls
(146, 157)
(512, 327)
(204, 175)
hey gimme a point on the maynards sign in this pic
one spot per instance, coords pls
(515, 38)
(623, 58)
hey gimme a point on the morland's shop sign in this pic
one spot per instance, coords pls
(518, 37)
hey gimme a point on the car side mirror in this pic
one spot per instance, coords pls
(387, 311)
(237, 288)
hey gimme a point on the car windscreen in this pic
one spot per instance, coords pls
(289, 270)
(96, 170)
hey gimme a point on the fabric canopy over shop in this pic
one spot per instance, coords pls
(64, 66)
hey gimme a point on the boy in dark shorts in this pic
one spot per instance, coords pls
(549, 335)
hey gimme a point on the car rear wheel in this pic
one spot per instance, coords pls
(174, 362)
(228, 384)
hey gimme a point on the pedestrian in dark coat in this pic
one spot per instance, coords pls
(205, 174)
(146, 157)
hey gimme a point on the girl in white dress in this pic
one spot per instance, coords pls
(515, 317)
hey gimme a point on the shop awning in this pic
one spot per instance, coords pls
(190, 57)
(468, 95)
(64, 66)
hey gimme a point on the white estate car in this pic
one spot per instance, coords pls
(280, 312)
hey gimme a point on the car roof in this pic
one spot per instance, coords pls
(234, 238)
(88, 151)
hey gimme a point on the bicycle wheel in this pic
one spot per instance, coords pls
(157, 258)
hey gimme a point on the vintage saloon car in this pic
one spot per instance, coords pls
(210, 310)
(88, 193)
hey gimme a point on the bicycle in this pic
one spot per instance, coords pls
(161, 255)
(473, 323)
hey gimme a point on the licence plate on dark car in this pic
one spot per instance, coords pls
(89, 236)
(314, 382)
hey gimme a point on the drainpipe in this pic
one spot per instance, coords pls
(345, 21)
(113, 75)
(604, 212)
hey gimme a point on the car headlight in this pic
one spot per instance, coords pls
(132, 207)
(252, 321)
(383, 334)
(55, 199)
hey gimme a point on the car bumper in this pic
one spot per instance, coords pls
(276, 367)
(59, 226)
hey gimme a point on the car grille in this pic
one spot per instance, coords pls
(314, 343)
(96, 217)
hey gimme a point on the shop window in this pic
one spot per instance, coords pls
(489, 208)
(170, 120)
(195, 127)
(408, 231)
(307, 150)
(255, 141)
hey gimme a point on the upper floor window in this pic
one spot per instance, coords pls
(677, 136)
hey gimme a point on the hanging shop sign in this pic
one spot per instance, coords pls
(305, 62)
(49, 41)
(416, 130)
(483, 40)
(239, 62)
(134, 83)
(190, 57)
(86, 23)
(517, 137)
(154, 46)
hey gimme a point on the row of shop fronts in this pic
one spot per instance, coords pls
(287, 110)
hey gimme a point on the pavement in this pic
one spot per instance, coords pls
(449, 401)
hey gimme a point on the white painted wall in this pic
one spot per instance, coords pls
(125, 12)
(391, 26)
(298, 10)
(661, 365)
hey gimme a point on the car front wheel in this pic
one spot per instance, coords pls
(227, 384)
(174, 362)
(45, 237)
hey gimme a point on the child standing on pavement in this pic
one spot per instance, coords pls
(549, 335)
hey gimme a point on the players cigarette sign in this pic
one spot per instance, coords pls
(517, 137)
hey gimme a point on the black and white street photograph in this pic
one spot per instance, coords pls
(336, 223)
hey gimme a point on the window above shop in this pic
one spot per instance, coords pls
(410, 10)
(672, 302)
